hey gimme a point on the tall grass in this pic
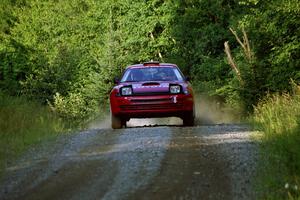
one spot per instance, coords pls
(278, 116)
(23, 124)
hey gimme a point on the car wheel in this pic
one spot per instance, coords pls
(117, 122)
(123, 122)
(189, 119)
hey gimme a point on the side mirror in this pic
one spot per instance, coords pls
(187, 78)
(116, 80)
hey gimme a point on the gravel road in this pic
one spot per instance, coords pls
(161, 162)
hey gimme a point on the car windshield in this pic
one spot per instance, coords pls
(152, 74)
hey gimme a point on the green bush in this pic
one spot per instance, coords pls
(74, 106)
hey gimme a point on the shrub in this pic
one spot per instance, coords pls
(73, 106)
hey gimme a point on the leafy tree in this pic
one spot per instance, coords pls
(67, 52)
(274, 40)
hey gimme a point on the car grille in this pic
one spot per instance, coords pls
(151, 93)
(151, 106)
(164, 100)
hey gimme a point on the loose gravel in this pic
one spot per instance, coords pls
(164, 162)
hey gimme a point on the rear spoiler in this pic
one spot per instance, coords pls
(151, 63)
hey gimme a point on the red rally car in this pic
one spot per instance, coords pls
(149, 90)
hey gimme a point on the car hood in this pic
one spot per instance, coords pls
(151, 87)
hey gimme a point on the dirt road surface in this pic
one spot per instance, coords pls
(162, 162)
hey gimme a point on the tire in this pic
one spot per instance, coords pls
(117, 122)
(189, 119)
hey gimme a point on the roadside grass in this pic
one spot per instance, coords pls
(278, 116)
(23, 124)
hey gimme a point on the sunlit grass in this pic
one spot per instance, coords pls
(278, 117)
(23, 124)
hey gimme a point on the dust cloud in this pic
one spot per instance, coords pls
(100, 123)
(211, 110)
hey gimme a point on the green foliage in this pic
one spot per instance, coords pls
(271, 27)
(209, 77)
(278, 117)
(72, 106)
(59, 47)
(200, 29)
(75, 48)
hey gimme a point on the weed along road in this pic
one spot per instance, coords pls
(161, 162)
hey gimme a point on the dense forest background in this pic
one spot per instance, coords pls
(66, 53)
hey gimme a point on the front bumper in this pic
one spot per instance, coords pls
(152, 106)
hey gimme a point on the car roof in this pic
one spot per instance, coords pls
(151, 64)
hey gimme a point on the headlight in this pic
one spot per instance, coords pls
(125, 91)
(175, 89)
